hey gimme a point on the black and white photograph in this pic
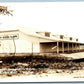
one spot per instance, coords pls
(41, 41)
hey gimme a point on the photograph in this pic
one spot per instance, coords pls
(41, 41)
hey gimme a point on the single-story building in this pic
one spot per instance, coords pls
(18, 41)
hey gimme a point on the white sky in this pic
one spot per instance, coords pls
(56, 17)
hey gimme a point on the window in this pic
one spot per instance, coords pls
(47, 34)
(70, 38)
(76, 39)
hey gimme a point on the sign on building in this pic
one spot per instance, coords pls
(9, 36)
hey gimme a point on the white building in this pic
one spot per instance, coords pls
(34, 41)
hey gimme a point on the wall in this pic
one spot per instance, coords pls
(24, 44)
(6, 44)
(27, 44)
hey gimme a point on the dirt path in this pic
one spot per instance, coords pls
(78, 55)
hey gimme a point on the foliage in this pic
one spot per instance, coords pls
(4, 10)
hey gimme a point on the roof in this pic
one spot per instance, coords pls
(32, 32)
(9, 31)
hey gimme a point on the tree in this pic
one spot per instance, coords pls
(4, 10)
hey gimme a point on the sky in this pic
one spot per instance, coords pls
(65, 18)
(38, 0)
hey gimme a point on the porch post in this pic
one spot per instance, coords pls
(76, 47)
(79, 47)
(57, 47)
(62, 47)
(72, 47)
(68, 47)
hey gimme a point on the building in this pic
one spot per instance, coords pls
(18, 41)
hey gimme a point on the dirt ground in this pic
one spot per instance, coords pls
(42, 68)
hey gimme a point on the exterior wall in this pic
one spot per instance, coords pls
(24, 44)
(6, 44)
(27, 44)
